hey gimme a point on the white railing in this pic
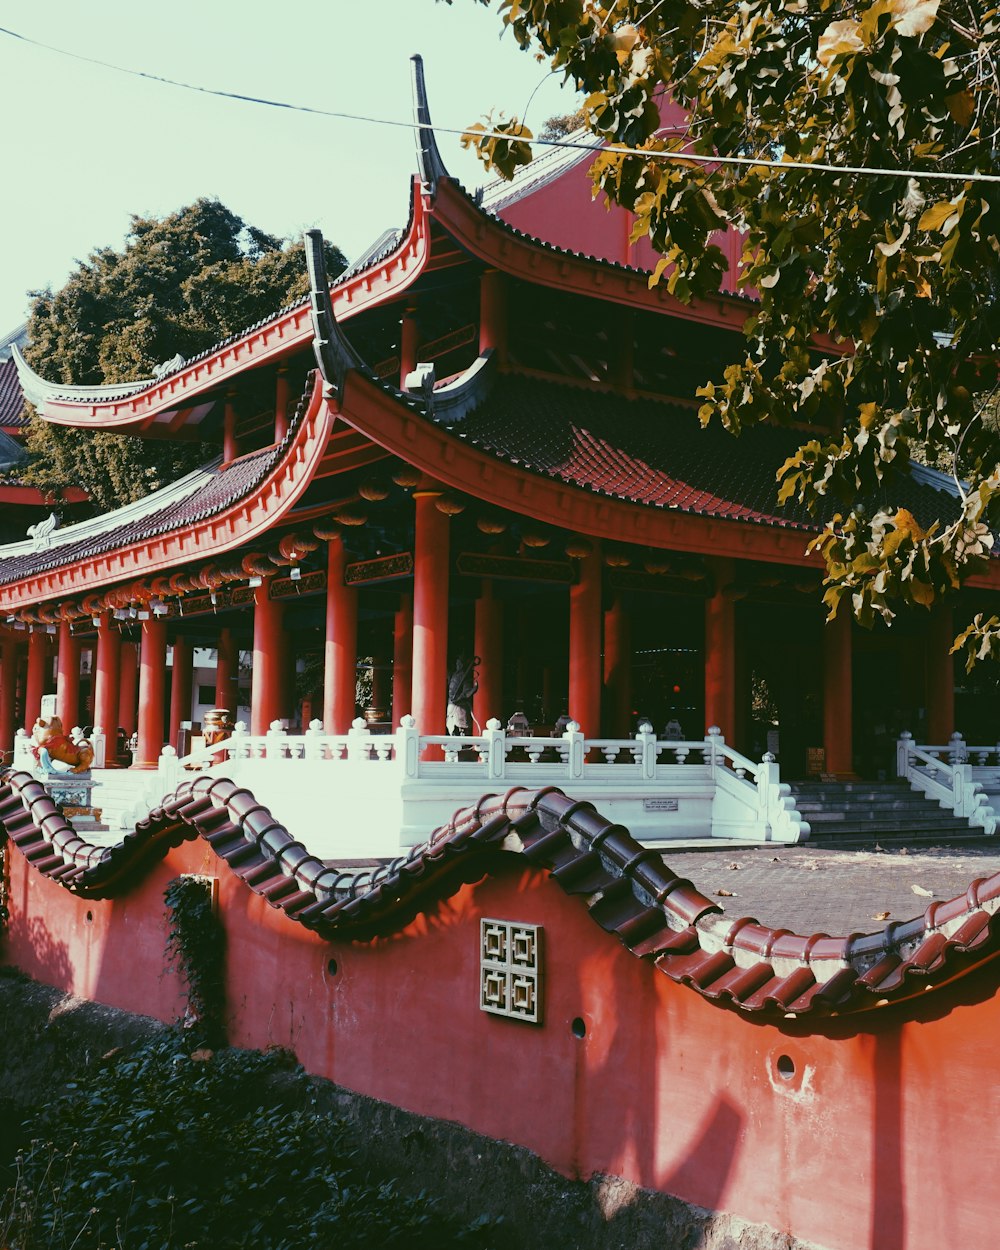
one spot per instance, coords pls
(944, 774)
(738, 798)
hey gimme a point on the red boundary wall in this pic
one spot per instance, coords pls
(880, 1138)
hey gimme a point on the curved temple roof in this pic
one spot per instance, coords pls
(149, 534)
(627, 889)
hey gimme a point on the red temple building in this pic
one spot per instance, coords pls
(482, 440)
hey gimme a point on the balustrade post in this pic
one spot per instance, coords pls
(168, 770)
(314, 747)
(768, 776)
(961, 789)
(23, 758)
(496, 748)
(957, 754)
(99, 741)
(408, 747)
(713, 740)
(274, 748)
(903, 744)
(577, 755)
(358, 740)
(647, 737)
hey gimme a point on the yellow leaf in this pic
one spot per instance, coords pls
(914, 17)
(838, 38)
(935, 217)
(961, 106)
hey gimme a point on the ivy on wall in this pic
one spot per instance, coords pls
(196, 947)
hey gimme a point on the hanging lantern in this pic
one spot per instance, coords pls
(160, 586)
(295, 547)
(536, 539)
(231, 572)
(351, 515)
(578, 548)
(257, 565)
(327, 530)
(490, 523)
(449, 504)
(656, 564)
(617, 559)
(211, 577)
(373, 490)
(406, 475)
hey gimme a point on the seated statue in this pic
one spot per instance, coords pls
(462, 685)
(55, 751)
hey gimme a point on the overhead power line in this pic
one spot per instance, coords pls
(783, 166)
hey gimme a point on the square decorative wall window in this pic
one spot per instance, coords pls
(510, 969)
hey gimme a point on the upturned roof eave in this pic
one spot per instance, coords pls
(131, 407)
(200, 538)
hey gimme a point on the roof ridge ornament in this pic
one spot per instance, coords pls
(41, 532)
(334, 355)
(431, 166)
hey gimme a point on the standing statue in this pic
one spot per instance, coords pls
(462, 685)
(55, 751)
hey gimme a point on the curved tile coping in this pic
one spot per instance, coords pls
(627, 889)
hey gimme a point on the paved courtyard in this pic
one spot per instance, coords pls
(809, 889)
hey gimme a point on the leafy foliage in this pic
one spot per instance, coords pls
(878, 314)
(196, 945)
(163, 1148)
(180, 284)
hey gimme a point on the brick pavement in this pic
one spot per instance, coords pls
(812, 889)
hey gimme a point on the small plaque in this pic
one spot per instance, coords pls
(660, 805)
(510, 970)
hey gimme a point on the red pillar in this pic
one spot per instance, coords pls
(493, 314)
(266, 692)
(38, 654)
(225, 671)
(230, 448)
(68, 678)
(9, 656)
(408, 345)
(838, 694)
(152, 687)
(281, 404)
(488, 699)
(431, 564)
(128, 688)
(585, 668)
(180, 687)
(720, 652)
(940, 675)
(402, 659)
(340, 666)
(107, 683)
(618, 669)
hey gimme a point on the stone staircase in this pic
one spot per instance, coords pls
(121, 796)
(861, 814)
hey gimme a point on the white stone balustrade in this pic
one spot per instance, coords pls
(388, 791)
(945, 774)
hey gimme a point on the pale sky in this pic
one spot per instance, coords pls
(85, 147)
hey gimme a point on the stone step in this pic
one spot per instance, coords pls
(866, 807)
(946, 824)
(866, 841)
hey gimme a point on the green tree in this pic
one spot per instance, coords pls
(878, 315)
(180, 284)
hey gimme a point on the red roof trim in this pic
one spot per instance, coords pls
(269, 341)
(373, 411)
(535, 261)
(254, 514)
